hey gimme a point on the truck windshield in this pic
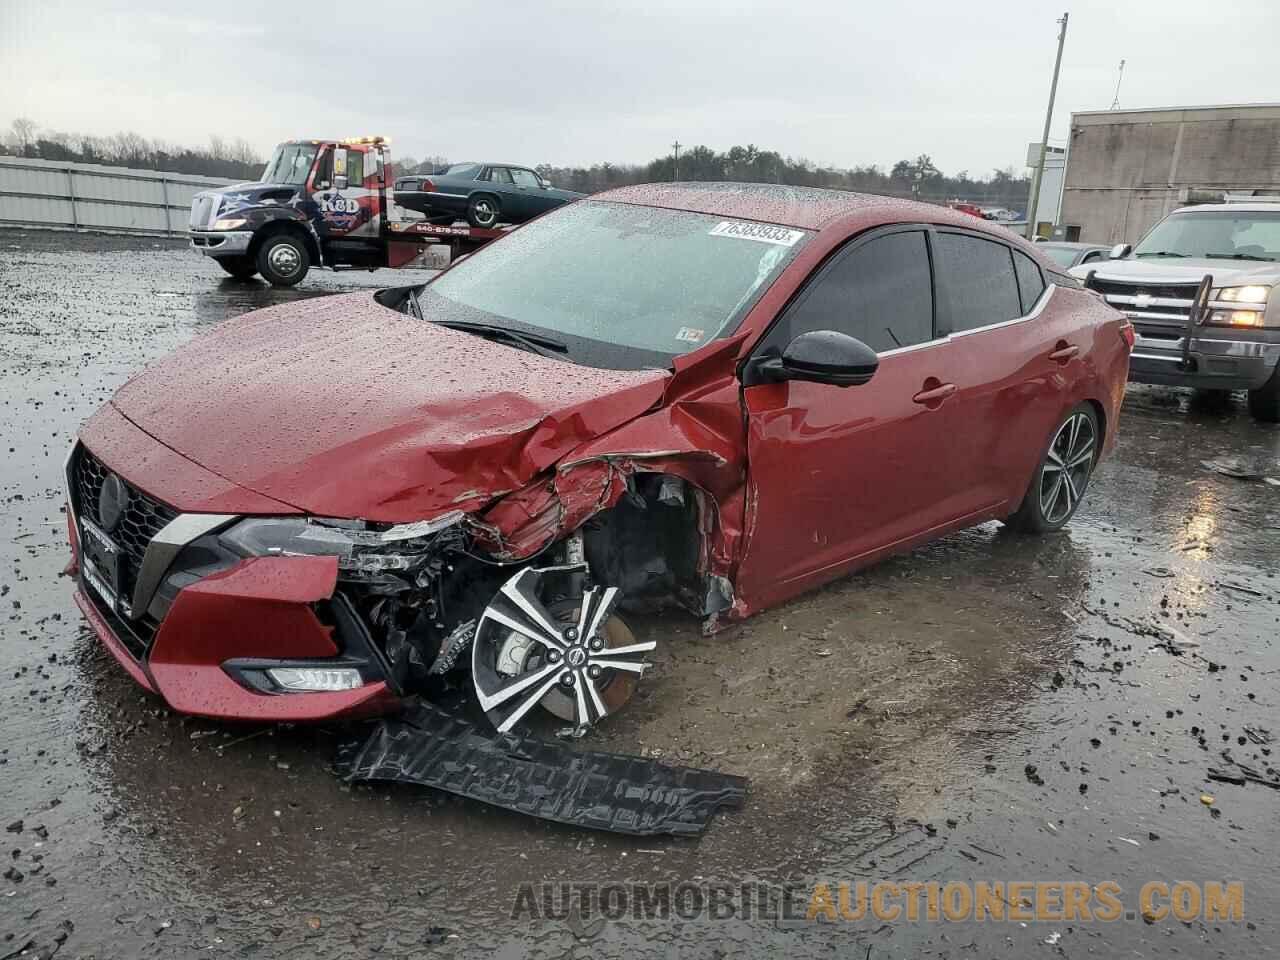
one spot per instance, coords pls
(290, 164)
(662, 282)
(1228, 234)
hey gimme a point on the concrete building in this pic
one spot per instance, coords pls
(1126, 169)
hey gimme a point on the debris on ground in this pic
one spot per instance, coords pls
(1238, 469)
(427, 745)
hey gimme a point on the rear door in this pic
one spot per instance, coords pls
(503, 186)
(838, 474)
(1008, 364)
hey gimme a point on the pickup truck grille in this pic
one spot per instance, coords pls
(1159, 304)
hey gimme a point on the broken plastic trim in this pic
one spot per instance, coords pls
(429, 746)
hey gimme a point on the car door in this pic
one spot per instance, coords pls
(838, 475)
(504, 187)
(1007, 365)
(533, 198)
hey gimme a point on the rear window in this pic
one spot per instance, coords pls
(463, 170)
(980, 278)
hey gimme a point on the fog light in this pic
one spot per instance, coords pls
(1235, 318)
(316, 678)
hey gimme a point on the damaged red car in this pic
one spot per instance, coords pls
(709, 395)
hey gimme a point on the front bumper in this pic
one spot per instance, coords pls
(221, 243)
(1216, 364)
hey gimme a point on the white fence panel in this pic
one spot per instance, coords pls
(86, 196)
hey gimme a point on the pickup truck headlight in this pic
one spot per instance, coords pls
(230, 223)
(363, 553)
(1247, 306)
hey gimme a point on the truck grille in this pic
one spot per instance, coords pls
(201, 209)
(1159, 304)
(143, 518)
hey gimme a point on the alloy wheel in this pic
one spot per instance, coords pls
(1067, 467)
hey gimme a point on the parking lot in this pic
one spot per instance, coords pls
(987, 708)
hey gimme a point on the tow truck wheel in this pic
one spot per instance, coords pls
(241, 267)
(1264, 403)
(482, 211)
(283, 260)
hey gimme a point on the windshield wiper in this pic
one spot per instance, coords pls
(533, 342)
(1161, 253)
(1237, 256)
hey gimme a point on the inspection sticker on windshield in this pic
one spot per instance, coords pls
(763, 232)
(690, 335)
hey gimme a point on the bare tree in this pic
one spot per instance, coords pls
(24, 135)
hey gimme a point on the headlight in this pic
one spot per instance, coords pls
(1254, 293)
(230, 223)
(363, 553)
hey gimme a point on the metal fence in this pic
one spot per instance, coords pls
(58, 195)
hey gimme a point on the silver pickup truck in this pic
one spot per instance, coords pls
(1200, 289)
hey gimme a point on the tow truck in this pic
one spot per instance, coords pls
(318, 203)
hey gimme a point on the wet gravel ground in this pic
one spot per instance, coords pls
(987, 708)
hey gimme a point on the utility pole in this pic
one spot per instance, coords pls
(676, 147)
(1038, 175)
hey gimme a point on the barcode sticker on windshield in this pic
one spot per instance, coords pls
(762, 232)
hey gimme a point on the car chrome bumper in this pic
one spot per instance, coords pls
(1215, 364)
(221, 243)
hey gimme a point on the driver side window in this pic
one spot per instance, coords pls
(880, 292)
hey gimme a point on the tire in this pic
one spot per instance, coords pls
(1264, 403)
(1075, 440)
(283, 260)
(240, 266)
(483, 211)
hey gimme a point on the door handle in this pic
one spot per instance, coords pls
(1064, 352)
(935, 394)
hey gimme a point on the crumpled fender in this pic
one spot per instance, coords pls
(697, 434)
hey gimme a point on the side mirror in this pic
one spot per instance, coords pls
(545, 184)
(339, 183)
(1120, 251)
(820, 356)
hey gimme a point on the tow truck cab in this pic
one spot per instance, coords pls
(318, 203)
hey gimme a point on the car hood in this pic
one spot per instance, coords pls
(343, 407)
(1177, 270)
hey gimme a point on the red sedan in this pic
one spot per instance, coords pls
(710, 395)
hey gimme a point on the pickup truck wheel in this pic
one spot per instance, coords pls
(283, 260)
(241, 267)
(1264, 403)
(482, 211)
(1062, 476)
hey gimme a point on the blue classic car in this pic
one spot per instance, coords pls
(485, 193)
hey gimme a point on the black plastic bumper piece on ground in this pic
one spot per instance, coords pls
(602, 791)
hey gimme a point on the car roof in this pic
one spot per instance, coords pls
(809, 208)
(1260, 206)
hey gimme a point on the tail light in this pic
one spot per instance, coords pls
(426, 186)
(1127, 334)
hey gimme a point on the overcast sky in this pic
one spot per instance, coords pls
(837, 81)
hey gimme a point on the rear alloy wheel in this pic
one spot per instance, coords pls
(283, 260)
(1063, 475)
(573, 657)
(482, 212)
(1264, 403)
(240, 266)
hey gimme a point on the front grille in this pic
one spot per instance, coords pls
(1160, 304)
(143, 518)
(201, 208)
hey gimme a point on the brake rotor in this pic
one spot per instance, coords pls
(574, 657)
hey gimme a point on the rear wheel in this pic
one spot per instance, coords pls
(482, 211)
(1264, 403)
(240, 266)
(1062, 476)
(283, 260)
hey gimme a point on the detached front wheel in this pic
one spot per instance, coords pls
(283, 260)
(1062, 476)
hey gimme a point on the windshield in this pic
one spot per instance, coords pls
(1062, 256)
(289, 164)
(1230, 234)
(660, 281)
